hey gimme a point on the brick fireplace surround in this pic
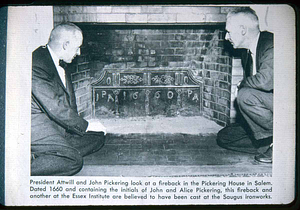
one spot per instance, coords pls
(150, 43)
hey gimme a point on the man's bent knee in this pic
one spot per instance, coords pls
(57, 163)
(243, 95)
(74, 166)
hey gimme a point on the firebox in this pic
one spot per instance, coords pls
(165, 67)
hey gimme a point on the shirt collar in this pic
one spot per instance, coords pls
(253, 45)
(53, 55)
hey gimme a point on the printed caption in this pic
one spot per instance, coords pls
(109, 189)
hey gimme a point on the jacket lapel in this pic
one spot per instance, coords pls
(246, 62)
(52, 68)
(258, 51)
(70, 90)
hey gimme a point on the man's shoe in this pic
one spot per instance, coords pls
(266, 157)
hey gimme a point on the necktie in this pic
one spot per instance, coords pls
(249, 64)
(61, 71)
(62, 64)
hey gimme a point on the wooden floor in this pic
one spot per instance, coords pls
(169, 154)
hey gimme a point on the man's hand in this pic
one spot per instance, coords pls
(95, 125)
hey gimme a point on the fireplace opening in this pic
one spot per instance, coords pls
(161, 79)
(149, 70)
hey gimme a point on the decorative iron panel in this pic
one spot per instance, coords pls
(119, 93)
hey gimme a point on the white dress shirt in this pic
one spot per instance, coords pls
(60, 70)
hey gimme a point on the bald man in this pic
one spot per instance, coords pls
(60, 138)
(255, 91)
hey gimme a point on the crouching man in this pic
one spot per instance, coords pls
(255, 91)
(60, 138)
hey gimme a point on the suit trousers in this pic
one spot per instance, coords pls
(62, 155)
(257, 109)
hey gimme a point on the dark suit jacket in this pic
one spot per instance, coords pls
(53, 107)
(263, 79)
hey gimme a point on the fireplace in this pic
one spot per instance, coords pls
(164, 67)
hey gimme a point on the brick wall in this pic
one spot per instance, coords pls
(141, 14)
(81, 80)
(139, 48)
(199, 47)
(217, 80)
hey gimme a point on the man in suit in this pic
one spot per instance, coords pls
(59, 136)
(255, 91)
